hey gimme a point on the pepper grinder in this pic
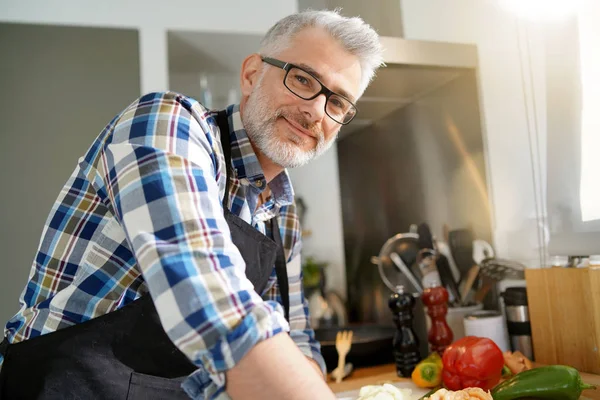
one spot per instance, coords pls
(406, 343)
(440, 335)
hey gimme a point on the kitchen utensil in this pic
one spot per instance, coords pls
(499, 269)
(408, 273)
(482, 250)
(486, 285)
(447, 279)
(344, 373)
(461, 246)
(425, 237)
(493, 270)
(405, 245)
(343, 343)
(426, 265)
(443, 248)
(371, 345)
(468, 283)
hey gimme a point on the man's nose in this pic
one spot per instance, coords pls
(314, 110)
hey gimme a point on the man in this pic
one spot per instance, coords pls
(170, 260)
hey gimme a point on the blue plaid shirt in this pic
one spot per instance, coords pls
(142, 213)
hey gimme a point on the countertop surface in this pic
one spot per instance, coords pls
(387, 373)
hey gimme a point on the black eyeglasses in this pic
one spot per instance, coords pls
(306, 86)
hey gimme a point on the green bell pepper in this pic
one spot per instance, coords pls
(432, 391)
(555, 382)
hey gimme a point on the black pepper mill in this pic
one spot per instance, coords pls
(406, 343)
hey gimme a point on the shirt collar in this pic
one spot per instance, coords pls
(246, 165)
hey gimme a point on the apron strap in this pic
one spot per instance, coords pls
(281, 269)
(3, 347)
(280, 261)
(3, 350)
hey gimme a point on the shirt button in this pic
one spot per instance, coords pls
(259, 183)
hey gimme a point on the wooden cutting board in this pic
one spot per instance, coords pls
(387, 373)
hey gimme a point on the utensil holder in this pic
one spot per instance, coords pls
(564, 310)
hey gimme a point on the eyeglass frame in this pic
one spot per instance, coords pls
(324, 89)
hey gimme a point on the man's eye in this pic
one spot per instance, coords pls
(336, 102)
(302, 80)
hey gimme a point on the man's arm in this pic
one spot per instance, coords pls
(317, 367)
(276, 369)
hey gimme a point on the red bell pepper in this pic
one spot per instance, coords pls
(472, 362)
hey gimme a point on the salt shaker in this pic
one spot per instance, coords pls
(440, 335)
(406, 343)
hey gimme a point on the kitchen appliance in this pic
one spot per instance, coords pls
(517, 320)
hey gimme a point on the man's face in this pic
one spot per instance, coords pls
(287, 129)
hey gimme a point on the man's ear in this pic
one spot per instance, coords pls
(251, 68)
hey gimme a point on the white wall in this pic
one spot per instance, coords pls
(507, 114)
(319, 185)
(153, 19)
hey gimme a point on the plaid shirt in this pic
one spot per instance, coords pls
(142, 213)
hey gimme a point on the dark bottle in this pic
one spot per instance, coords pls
(406, 343)
(440, 335)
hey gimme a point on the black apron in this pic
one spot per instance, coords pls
(126, 354)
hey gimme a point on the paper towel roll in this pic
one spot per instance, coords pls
(489, 324)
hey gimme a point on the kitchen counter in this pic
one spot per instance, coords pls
(387, 373)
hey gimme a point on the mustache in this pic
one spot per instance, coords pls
(301, 120)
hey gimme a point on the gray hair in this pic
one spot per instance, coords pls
(355, 36)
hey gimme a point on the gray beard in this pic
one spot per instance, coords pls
(259, 122)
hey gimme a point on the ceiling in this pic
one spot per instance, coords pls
(394, 87)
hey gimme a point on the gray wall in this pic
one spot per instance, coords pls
(59, 87)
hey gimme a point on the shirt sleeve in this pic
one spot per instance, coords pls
(161, 171)
(300, 330)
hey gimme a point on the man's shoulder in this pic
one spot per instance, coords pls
(163, 114)
(169, 101)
